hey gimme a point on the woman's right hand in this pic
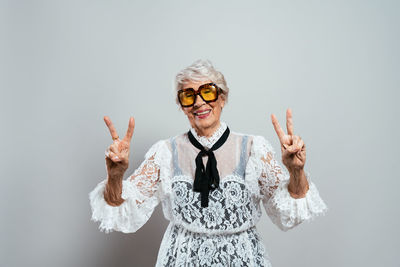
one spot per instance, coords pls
(117, 154)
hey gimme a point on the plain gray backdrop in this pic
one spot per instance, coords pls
(66, 64)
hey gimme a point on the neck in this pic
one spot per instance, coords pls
(207, 132)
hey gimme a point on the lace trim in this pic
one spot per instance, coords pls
(287, 212)
(126, 218)
(268, 181)
(210, 141)
(141, 192)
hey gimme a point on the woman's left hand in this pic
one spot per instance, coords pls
(292, 146)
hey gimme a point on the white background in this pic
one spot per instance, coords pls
(66, 64)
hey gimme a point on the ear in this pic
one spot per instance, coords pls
(222, 101)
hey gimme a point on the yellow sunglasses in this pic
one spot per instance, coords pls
(208, 92)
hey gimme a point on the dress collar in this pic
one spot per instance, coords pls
(210, 141)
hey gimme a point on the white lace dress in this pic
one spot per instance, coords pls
(224, 233)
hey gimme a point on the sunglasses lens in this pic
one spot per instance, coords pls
(209, 92)
(187, 97)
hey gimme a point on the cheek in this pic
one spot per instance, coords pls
(217, 108)
(186, 111)
(188, 114)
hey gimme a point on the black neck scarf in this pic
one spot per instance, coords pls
(207, 179)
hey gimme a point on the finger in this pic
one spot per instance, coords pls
(108, 153)
(114, 148)
(293, 147)
(304, 147)
(111, 127)
(289, 122)
(278, 128)
(114, 157)
(131, 127)
(296, 143)
(301, 144)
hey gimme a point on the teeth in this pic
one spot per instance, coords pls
(204, 112)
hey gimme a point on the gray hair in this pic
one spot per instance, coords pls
(201, 70)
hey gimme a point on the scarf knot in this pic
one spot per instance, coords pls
(206, 178)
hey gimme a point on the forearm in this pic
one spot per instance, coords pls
(113, 190)
(298, 184)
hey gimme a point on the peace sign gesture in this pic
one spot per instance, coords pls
(117, 154)
(292, 146)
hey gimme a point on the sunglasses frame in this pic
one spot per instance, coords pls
(198, 93)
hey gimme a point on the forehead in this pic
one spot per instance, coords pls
(194, 84)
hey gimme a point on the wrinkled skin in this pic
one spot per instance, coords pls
(293, 156)
(117, 162)
(206, 126)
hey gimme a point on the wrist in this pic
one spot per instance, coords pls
(114, 180)
(298, 184)
(296, 171)
(113, 192)
(115, 176)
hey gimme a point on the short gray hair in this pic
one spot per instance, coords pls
(201, 70)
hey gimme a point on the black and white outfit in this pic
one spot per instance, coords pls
(220, 230)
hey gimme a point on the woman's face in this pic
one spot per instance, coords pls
(204, 124)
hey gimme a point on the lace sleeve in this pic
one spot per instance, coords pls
(284, 210)
(140, 192)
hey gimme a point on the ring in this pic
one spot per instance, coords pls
(116, 138)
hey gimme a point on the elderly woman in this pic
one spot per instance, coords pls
(209, 180)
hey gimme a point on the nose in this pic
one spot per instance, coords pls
(198, 101)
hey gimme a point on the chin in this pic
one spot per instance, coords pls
(202, 124)
(205, 123)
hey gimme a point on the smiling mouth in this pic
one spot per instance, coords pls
(202, 113)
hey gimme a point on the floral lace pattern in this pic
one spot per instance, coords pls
(224, 233)
(181, 247)
(284, 211)
(139, 192)
(230, 209)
